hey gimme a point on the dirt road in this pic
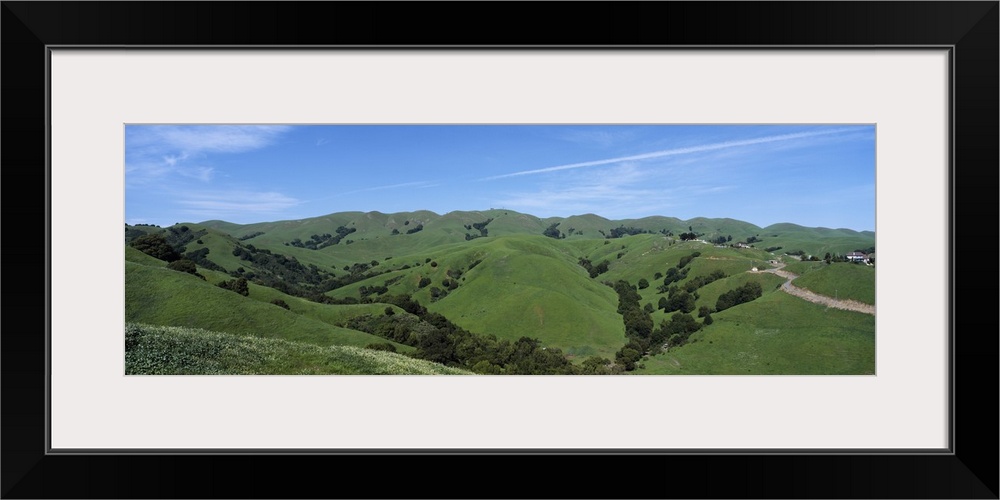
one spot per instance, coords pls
(802, 293)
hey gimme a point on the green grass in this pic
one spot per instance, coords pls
(843, 280)
(804, 267)
(161, 296)
(163, 350)
(526, 284)
(775, 334)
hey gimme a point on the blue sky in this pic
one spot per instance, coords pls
(812, 175)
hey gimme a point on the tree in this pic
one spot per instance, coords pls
(552, 231)
(389, 311)
(643, 283)
(155, 245)
(184, 266)
(281, 303)
(662, 304)
(238, 285)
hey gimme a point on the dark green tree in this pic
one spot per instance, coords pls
(155, 245)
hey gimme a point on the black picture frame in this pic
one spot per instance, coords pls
(970, 29)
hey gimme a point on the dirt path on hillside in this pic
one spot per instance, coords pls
(802, 293)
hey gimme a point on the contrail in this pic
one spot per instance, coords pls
(671, 152)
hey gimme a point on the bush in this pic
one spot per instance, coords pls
(424, 282)
(281, 303)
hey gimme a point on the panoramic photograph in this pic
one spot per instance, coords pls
(500, 249)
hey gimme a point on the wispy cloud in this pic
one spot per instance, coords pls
(226, 204)
(155, 151)
(194, 139)
(616, 190)
(416, 184)
(674, 152)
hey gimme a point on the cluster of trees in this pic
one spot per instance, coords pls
(772, 249)
(480, 226)
(740, 295)
(288, 275)
(553, 231)
(673, 275)
(250, 236)
(593, 270)
(313, 242)
(700, 281)
(620, 231)
(185, 266)
(277, 268)
(439, 340)
(721, 240)
(643, 339)
(677, 331)
(132, 233)
(638, 326)
(179, 236)
(415, 229)
(318, 241)
(365, 291)
(678, 300)
(155, 245)
(676, 273)
(199, 257)
(688, 236)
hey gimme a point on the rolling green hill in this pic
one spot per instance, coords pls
(775, 334)
(501, 275)
(160, 296)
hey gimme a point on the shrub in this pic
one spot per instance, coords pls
(281, 303)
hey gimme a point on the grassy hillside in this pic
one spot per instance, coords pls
(843, 280)
(160, 296)
(775, 334)
(162, 350)
(526, 287)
